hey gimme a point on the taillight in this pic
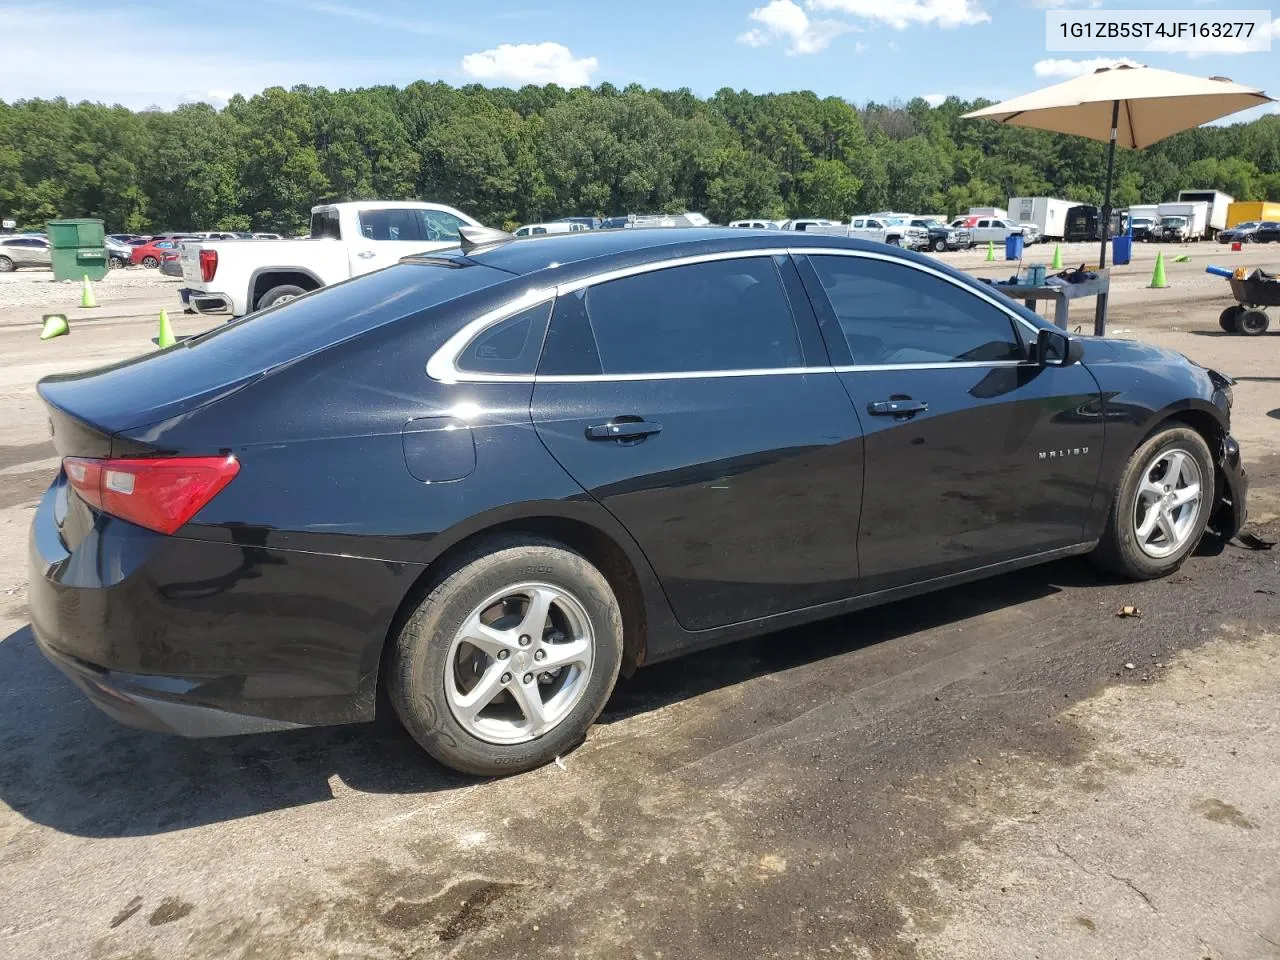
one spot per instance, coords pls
(160, 494)
(208, 264)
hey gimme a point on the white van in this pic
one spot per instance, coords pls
(538, 229)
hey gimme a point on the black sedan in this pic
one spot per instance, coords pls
(488, 480)
(1266, 231)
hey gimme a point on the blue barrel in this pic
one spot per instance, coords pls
(1013, 246)
(1121, 249)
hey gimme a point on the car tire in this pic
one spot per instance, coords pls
(1121, 549)
(939, 246)
(1252, 322)
(1227, 319)
(150, 262)
(6, 265)
(893, 241)
(430, 658)
(280, 294)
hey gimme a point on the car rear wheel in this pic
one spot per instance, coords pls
(149, 261)
(6, 265)
(1162, 507)
(1252, 322)
(509, 659)
(280, 294)
(1227, 319)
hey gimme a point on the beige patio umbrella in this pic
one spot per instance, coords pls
(1134, 106)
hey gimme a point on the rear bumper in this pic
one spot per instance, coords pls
(203, 302)
(203, 638)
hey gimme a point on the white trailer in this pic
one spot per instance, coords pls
(1218, 203)
(1049, 214)
(1180, 222)
(989, 212)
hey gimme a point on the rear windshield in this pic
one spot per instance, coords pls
(260, 341)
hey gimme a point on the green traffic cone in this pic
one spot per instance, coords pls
(1057, 256)
(165, 337)
(991, 251)
(86, 293)
(1158, 281)
(55, 325)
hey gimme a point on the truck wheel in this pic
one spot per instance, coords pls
(939, 246)
(893, 241)
(1252, 322)
(1227, 319)
(286, 291)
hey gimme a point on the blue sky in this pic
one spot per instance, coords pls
(143, 54)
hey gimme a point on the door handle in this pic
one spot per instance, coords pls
(620, 429)
(896, 408)
(367, 254)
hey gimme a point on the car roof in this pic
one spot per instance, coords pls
(564, 257)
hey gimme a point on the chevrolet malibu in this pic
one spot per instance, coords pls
(487, 480)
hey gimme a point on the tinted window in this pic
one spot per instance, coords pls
(511, 346)
(723, 315)
(393, 224)
(324, 223)
(892, 313)
(984, 223)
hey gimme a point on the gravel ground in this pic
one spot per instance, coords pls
(28, 288)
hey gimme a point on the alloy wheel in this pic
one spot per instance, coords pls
(519, 663)
(1168, 503)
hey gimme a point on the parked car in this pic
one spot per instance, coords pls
(720, 441)
(266, 236)
(347, 239)
(804, 224)
(591, 223)
(148, 254)
(990, 229)
(17, 252)
(119, 254)
(1253, 231)
(1030, 232)
(541, 229)
(125, 238)
(943, 237)
(171, 263)
(895, 231)
(755, 224)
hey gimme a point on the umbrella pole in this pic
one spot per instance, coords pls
(1100, 314)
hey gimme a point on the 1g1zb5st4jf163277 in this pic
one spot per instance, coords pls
(490, 478)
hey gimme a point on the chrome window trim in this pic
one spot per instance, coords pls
(442, 365)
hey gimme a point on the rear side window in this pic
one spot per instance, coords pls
(718, 316)
(891, 313)
(324, 223)
(510, 346)
(393, 224)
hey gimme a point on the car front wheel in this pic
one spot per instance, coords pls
(1162, 507)
(509, 659)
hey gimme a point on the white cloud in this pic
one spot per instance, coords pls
(901, 14)
(785, 20)
(217, 98)
(935, 99)
(1078, 68)
(860, 47)
(522, 63)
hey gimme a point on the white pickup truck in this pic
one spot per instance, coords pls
(347, 239)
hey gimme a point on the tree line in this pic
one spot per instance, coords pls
(517, 156)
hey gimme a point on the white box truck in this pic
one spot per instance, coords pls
(1218, 203)
(1141, 220)
(1181, 222)
(1049, 214)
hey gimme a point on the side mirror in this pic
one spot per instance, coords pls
(1055, 348)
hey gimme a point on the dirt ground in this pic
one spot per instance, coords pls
(1008, 770)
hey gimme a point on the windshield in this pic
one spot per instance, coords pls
(1245, 226)
(1173, 221)
(1141, 222)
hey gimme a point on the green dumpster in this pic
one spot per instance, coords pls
(77, 249)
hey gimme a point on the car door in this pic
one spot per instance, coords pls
(974, 454)
(383, 236)
(695, 401)
(1268, 232)
(982, 231)
(875, 230)
(858, 228)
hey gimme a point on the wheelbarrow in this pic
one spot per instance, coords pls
(1253, 291)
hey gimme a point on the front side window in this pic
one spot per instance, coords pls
(440, 226)
(891, 313)
(722, 315)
